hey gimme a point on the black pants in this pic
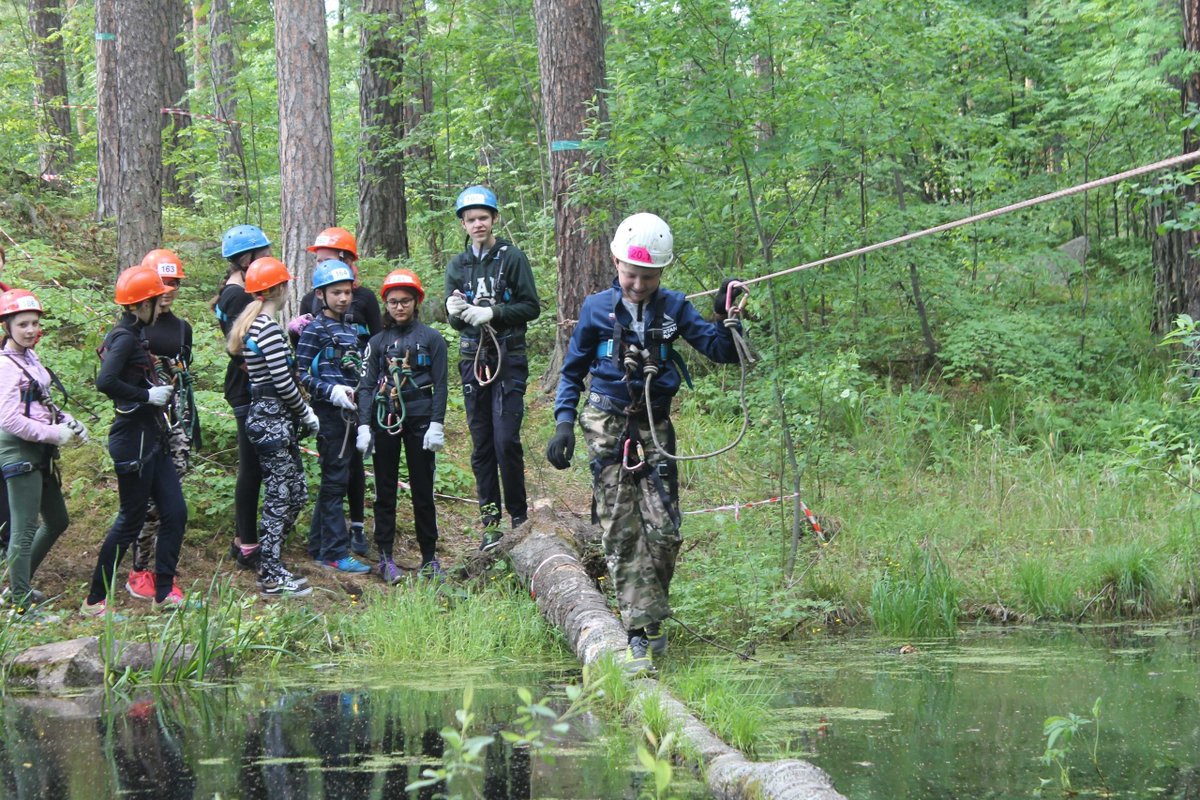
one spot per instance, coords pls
(248, 486)
(156, 480)
(494, 416)
(420, 464)
(356, 494)
(328, 539)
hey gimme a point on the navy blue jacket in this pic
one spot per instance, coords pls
(589, 353)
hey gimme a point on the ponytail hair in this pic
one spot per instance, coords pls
(235, 345)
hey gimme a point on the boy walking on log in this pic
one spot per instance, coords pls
(625, 339)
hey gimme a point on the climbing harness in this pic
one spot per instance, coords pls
(390, 410)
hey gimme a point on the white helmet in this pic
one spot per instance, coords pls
(644, 240)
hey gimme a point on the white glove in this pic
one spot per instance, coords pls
(77, 427)
(363, 441)
(161, 395)
(309, 420)
(477, 315)
(455, 304)
(435, 437)
(343, 398)
(63, 434)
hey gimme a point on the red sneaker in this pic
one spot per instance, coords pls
(140, 584)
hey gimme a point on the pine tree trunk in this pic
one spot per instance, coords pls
(418, 103)
(141, 36)
(57, 146)
(107, 163)
(571, 63)
(175, 90)
(382, 211)
(222, 73)
(307, 203)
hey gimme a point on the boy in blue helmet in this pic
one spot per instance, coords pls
(330, 360)
(490, 299)
(240, 246)
(624, 340)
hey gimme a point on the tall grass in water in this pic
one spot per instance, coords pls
(920, 599)
(1044, 592)
(736, 710)
(426, 622)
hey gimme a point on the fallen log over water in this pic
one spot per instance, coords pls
(545, 557)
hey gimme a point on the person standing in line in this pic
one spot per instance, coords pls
(241, 245)
(32, 428)
(402, 404)
(170, 340)
(138, 445)
(330, 363)
(625, 340)
(274, 420)
(490, 299)
(339, 244)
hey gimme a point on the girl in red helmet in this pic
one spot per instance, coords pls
(137, 442)
(402, 405)
(32, 428)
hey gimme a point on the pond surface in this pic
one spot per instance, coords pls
(356, 740)
(965, 719)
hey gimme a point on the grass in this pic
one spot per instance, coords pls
(737, 711)
(1127, 579)
(916, 600)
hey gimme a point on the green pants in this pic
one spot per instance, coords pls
(33, 493)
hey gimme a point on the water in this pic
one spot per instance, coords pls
(297, 741)
(965, 719)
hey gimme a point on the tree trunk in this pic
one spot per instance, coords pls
(307, 204)
(142, 27)
(382, 212)
(571, 63)
(1176, 270)
(175, 90)
(222, 72)
(544, 557)
(107, 163)
(418, 156)
(57, 145)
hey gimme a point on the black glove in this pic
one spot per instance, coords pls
(719, 301)
(562, 445)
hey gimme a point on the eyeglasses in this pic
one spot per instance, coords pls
(401, 302)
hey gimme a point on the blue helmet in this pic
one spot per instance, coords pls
(242, 239)
(331, 271)
(476, 197)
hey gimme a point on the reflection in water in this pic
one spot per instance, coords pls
(273, 744)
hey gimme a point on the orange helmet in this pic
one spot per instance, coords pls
(402, 279)
(265, 272)
(14, 301)
(336, 239)
(166, 262)
(137, 284)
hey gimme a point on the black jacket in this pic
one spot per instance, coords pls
(425, 391)
(502, 279)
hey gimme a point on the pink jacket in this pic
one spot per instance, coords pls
(39, 425)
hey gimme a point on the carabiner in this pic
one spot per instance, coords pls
(636, 448)
(735, 309)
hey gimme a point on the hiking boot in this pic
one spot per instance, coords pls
(358, 539)
(491, 538)
(244, 560)
(432, 570)
(140, 584)
(638, 662)
(99, 609)
(34, 616)
(657, 638)
(389, 572)
(348, 564)
(283, 587)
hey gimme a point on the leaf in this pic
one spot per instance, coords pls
(646, 758)
(561, 727)
(525, 695)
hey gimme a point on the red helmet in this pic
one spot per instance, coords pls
(402, 279)
(14, 301)
(265, 272)
(166, 262)
(137, 284)
(336, 239)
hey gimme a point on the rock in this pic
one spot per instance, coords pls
(61, 666)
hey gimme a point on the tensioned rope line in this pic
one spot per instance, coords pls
(1046, 198)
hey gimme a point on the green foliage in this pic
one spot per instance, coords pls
(1046, 591)
(916, 599)
(1126, 580)
(1060, 733)
(738, 712)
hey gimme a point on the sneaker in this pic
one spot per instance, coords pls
(299, 580)
(99, 609)
(519, 521)
(389, 572)
(638, 661)
(358, 539)
(348, 564)
(432, 570)
(34, 616)
(175, 599)
(283, 587)
(140, 584)
(657, 637)
(243, 560)
(491, 538)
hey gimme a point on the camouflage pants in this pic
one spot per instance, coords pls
(180, 446)
(272, 430)
(638, 513)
